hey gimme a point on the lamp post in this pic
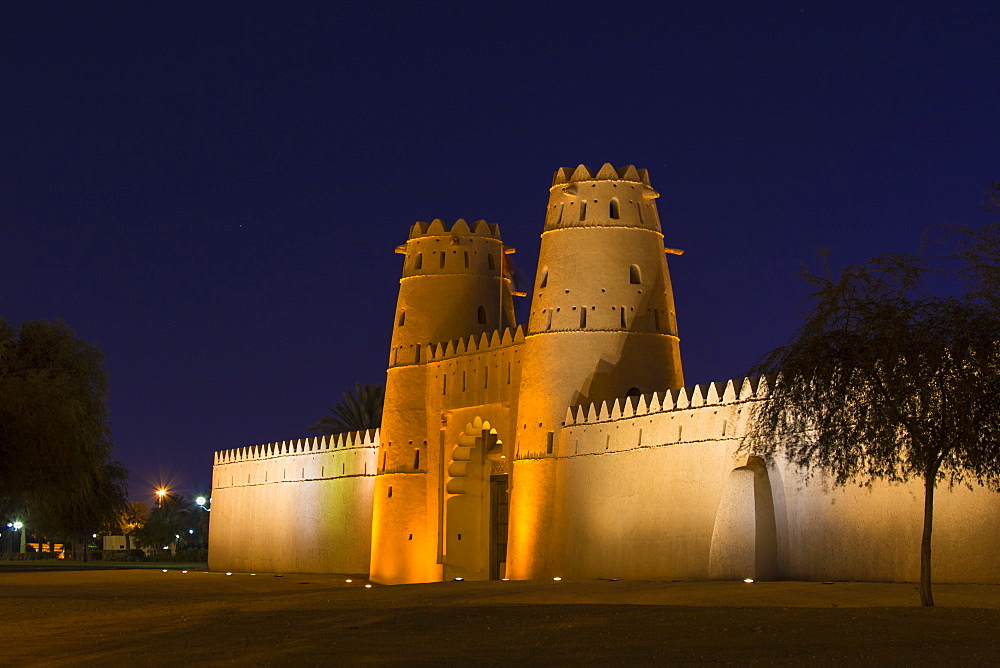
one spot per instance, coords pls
(160, 493)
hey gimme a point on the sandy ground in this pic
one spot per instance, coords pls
(144, 617)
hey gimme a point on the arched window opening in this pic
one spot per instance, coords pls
(548, 325)
(624, 322)
(583, 210)
(418, 261)
(466, 259)
(583, 317)
(634, 277)
(402, 318)
(614, 209)
(544, 280)
(490, 262)
(443, 254)
(416, 459)
(482, 315)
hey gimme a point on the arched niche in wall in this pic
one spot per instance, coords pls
(744, 538)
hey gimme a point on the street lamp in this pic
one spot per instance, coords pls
(160, 493)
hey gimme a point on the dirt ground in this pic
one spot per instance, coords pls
(151, 617)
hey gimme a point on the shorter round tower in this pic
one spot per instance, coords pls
(452, 287)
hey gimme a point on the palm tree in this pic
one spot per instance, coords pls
(359, 409)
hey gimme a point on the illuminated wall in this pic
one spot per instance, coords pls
(656, 489)
(295, 506)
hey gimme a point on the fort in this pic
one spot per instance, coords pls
(568, 446)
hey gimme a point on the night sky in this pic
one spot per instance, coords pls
(212, 192)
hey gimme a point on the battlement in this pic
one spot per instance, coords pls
(607, 172)
(353, 439)
(471, 345)
(437, 228)
(740, 389)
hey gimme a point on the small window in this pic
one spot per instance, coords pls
(549, 440)
(443, 255)
(416, 460)
(624, 322)
(418, 261)
(544, 280)
(490, 262)
(444, 384)
(548, 325)
(583, 317)
(583, 210)
(466, 259)
(481, 314)
(656, 318)
(402, 318)
(634, 277)
(614, 209)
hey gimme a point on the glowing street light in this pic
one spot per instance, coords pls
(160, 493)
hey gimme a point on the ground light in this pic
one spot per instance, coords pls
(348, 581)
(557, 579)
(748, 580)
(368, 586)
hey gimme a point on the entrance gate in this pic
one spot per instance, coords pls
(475, 521)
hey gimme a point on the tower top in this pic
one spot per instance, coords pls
(437, 228)
(607, 172)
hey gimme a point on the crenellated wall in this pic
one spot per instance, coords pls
(296, 506)
(656, 487)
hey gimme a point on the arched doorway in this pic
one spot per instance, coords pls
(476, 505)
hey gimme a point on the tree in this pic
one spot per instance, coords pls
(359, 409)
(133, 518)
(893, 378)
(55, 448)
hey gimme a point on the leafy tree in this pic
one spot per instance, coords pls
(893, 377)
(359, 409)
(133, 518)
(55, 450)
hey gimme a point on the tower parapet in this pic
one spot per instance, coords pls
(610, 198)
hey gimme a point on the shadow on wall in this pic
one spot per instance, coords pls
(633, 371)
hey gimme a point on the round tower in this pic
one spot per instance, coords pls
(453, 287)
(602, 326)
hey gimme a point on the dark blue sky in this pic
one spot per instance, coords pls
(211, 192)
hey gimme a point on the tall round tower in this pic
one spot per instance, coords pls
(602, 327)
(452, 287)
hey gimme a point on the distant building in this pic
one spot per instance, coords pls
(570, 446)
